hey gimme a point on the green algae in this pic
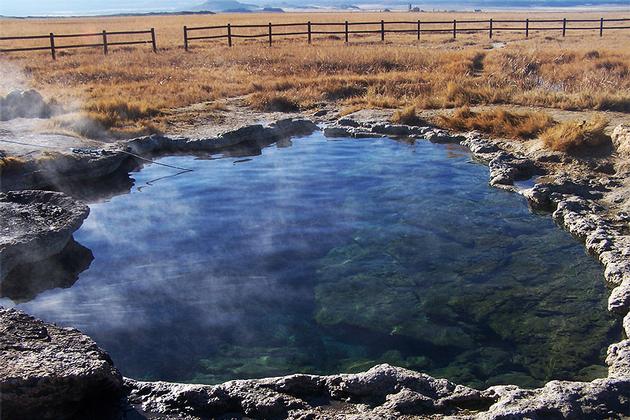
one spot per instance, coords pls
(534, 310)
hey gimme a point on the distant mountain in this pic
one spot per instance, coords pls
(227, 6)
(237, 6)
(117, 7)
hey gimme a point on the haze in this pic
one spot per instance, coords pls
(104, 7)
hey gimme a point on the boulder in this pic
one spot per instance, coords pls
(48, 372)
(383, 392)
(602, 398)
(387, 390)
(35, 225)
(24, 104)
(621, 139)
(337, 131)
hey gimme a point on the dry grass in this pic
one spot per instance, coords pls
(271, 102)
(581, 71)
(407, 116)
(574, 136)
(11, 162)
(498, 122)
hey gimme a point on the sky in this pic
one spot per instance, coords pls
(95, 7)
(57, 7)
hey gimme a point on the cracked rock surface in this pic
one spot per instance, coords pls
(382, 392)
(35, 225)
(48, 372)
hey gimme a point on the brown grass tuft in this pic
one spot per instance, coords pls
(571, 136)
(10, 163)
(498, 122)
(116, 112)
(407, 116)
(93, 125)
(270, 102)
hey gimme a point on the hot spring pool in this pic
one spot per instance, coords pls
(332, 256)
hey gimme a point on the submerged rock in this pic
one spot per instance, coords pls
(35, 225)
(48, 372)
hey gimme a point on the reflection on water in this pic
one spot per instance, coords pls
(333, 256)
(26, 281)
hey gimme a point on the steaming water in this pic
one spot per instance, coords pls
(332, 256)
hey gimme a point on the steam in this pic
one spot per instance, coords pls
(13, 77)
(151, 245)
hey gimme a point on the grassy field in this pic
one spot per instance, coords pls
(133, 90)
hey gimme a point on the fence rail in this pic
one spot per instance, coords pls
(417, 27)
(104, 36)
(310, 29)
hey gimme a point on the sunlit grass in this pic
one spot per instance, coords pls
(498, 122)
(132, 86)
(571, 136)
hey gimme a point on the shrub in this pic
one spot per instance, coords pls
(117, 112)
(618, 103)
(407, 116)
(270, 102)
(93, 125)
(498, 122)
(463, 94)
(571, 136)
(591, 55)
(335, 93)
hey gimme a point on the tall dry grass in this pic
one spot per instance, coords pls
(574, 136)
(407, 116)
(498, 122)
(580, 71)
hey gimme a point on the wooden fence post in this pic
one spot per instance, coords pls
(418, 30)
(270, 39)
(490, 28)
(52, 46)
(527, 28)
(454, 28)
(564, 26)
(185, 38)
(153, 40)
(309, 31)
(382, 30)
(104, 42)
(601, 27)
(346, 31)
(229, 34)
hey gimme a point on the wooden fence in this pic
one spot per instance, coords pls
(52, 43)
(310, 29)
(418, 28)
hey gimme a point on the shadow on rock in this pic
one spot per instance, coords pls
(92, 190)
(26, 281)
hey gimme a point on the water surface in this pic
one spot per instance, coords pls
(330, 256)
